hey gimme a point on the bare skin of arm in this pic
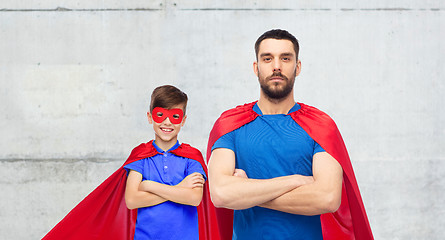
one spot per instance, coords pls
(188, 191)
(140, 193)
(135, 198)
(234, 192)
(321, 196)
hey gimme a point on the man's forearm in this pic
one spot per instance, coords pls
(231, 188)
(321, 196)
(241, 193)
(304, 200)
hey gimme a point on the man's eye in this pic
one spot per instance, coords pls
(159, 114)
(176, 116)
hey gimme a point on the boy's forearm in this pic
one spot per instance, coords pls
(136, 198)
(187, 196)
(144, 199)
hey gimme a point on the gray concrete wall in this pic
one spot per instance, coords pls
(76, 78)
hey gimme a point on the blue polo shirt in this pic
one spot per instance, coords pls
(168, 220)
(272, 146)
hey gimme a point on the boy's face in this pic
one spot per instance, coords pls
(166, 131)
(175, 115)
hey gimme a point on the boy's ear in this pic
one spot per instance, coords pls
(183, 120)
(150, 119)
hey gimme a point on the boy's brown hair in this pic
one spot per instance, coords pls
(168, 96)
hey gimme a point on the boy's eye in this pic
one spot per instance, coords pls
(159, 114)
(176, 116)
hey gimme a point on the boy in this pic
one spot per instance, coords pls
(165, 188)
(158, 199)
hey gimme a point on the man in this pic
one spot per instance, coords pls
(281, 165)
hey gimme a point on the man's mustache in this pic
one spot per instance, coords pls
(277, 74)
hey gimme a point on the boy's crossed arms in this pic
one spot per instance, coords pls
(148, 193)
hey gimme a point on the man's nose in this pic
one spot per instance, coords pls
(276, 66)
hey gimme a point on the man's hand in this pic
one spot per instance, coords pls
(240, 173)
(306, 179)
(301, 180)
(193, 180)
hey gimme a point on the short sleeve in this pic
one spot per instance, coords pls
(317, 148)
(225, 141)
(136, 166)
(195, 166)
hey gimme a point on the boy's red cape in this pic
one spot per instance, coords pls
(103, 214)
(350, 220)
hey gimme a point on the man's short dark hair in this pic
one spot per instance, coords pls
(168, 96)
(279, 35)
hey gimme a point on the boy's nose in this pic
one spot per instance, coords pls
(167, 121)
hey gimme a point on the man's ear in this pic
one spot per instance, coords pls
(255, 68)
(150, 119)
(298, 68)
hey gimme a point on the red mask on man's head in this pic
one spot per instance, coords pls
(160, 114)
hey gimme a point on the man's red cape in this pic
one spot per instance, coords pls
(103, 214)
(350, 220)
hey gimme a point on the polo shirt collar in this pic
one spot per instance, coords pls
(162, 151)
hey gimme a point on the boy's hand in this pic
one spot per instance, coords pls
(145, 186)
(192, 181)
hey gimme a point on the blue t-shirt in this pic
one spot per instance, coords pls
(168, 220)
(272, 146)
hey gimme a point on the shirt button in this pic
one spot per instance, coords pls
(165, 167)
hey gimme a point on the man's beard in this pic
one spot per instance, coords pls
(274, 91)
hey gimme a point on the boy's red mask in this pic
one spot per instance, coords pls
(160, 114)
